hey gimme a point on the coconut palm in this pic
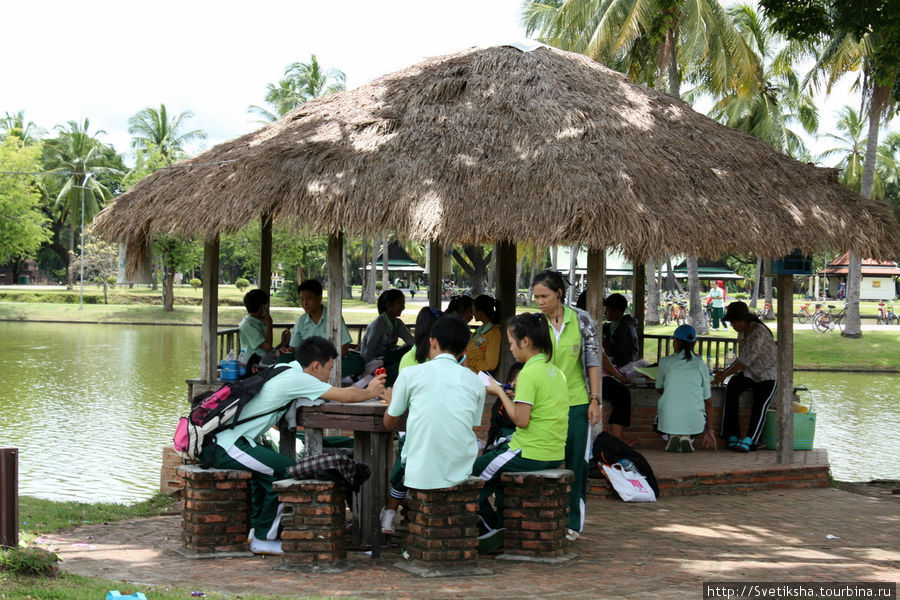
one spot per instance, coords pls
(82, 161)
(15, 124)
(661, 43)
(152, 129)
(301, 82)
(846, 54)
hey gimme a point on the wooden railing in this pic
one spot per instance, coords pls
(714, 350)
(229, 338)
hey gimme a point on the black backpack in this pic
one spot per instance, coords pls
(217, 411)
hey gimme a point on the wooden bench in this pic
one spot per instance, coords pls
(535, 515)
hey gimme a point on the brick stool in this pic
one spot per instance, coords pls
(443, 531)
(216, 514)
(313, 522)
(534, 514)
(170, 482)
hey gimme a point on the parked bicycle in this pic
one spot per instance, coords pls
(886, 314)
(827, 320)
(804, 315)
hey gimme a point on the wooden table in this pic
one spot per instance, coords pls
(372, 444)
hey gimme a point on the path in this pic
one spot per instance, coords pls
(659, 551)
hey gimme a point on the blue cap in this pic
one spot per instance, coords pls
(685, 333)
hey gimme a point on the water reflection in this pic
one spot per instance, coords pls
(92, 406)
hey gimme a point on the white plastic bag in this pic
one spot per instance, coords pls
(630, 485)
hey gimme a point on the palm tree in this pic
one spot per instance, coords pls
(656, 42)
(15, 124)
(301, 82)
(80, 158)
(152, 128)
(888, 165)
(845, 53)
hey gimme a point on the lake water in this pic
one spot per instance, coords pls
(92, 406)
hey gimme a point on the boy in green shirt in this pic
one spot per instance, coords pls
(256, 327)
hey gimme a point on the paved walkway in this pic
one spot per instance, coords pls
(659, 551)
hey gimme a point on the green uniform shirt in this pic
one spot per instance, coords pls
(409, 359)
(253, 334)
(685, 385)
(445, 401)
(543, 386)
(306, 328)
(278, 391)
(567, 357)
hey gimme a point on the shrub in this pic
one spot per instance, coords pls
(29, 561)
(739, 296)
(288, 293)
(196, 283)
(241, 284)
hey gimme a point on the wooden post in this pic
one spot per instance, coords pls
(596, 281)
(265, 252)
(209, 314)
(506, 297)
(435, 260)
(785, 452)
(639, 282)
(335, 287)
(9, 497)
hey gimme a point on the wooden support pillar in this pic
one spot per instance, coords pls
(435, 260)
(596, 281)
(335, 287)
(506, 296)
(9, 497)
(209, 357)
(784, 455)
(265, 252)
(638, 294)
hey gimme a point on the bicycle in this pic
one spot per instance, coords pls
(886, 314)
(803, 314)
(824, 320)
(765, 312)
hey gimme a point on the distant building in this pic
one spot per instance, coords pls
(879, 279)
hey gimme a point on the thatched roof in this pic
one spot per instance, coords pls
(499, 144)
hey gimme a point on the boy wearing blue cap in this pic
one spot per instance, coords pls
(683, 381)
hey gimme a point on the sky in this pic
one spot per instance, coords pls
(107, 60)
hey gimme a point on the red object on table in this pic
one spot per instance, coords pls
(380, 371)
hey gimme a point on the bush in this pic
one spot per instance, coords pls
(739, 296)
(196, 283)
(288, 293)
(29, 561)
(241, 284)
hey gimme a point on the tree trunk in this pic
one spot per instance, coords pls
(534, 265)
(554, 256)
(519, 265)
(365, 277)
(767, 287)
(755, 295)
(475, 267)
(345, 289)
(671, 283)
(652, 314)
(169, 288)
(70, 277)
(371, 296)
(698, 319)
(385, 263)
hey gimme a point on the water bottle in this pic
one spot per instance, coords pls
(627, 465)
(242, 361)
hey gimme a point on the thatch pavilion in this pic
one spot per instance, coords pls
(503, 145)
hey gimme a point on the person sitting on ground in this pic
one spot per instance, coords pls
(444, 400)
(620, 343)
(235, 449)
(314, 321)
(382, 334)
(684, 407)
(755, 369)
(256, 328)
(461, 306)
(716, 302)
(483, 351)
(540, 412)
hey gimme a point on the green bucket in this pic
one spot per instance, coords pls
(804, 429)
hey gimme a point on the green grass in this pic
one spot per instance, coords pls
(76, 587)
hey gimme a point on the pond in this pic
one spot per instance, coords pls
(92, 406)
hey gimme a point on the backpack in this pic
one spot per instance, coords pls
(217, 411)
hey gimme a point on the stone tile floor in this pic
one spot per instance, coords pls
(660, 551)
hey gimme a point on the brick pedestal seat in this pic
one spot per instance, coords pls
(443, 531)
(314, 523)
(535, 515)
(216, 513)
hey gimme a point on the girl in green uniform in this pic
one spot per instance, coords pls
(577, 353)
(539, 413)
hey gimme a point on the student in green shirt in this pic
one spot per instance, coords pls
(255, 329)
(540, 413)
(577, 353)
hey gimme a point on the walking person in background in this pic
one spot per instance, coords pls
(576, 352)
(755, 369)
(716, 302)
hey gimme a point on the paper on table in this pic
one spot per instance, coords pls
(648, 372)
(486, 379)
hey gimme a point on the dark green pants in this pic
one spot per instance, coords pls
(577, 448)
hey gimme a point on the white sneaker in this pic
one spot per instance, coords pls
(387, 521)
(572, 535)
(270, 547)
(250, 535)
